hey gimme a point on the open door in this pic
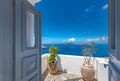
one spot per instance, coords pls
(26, 42)
(114, 40)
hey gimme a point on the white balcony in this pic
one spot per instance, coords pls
(69, 68)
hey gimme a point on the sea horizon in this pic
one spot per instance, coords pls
(76, 49)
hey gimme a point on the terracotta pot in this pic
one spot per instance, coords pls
(53, 68)
(88, 72)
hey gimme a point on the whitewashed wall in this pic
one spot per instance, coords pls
(33, 2)
(44, 63)
(102, 69)
(72, 64)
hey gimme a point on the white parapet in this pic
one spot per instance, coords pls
(102, 69)
(44, 63)
(33, 2)
(72, 64)
(66, 63)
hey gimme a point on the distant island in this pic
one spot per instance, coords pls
(44, 47)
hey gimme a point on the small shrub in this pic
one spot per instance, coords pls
(51, 59)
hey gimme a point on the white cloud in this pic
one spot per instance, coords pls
(103, 38)
(93, 39)
(89, 40)
(99, 39)
(71, 40)
(105, 6)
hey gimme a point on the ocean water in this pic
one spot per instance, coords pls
(72, 49)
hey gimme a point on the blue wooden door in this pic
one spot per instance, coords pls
(26, 42)
(114, 40)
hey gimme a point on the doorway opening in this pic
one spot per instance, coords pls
(70, 24)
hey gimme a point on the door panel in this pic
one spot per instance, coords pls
(27, 42)
(114, 40)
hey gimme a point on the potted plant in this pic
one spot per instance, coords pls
(87, 69)
(52, 60)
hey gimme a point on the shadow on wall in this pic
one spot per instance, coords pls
(60, 68)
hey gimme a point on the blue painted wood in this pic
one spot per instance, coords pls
(27, 61)
(6, 40)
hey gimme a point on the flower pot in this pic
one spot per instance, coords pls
(88, 72)
(52, 68)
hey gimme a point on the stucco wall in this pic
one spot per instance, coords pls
(44, 63)
(72, 64)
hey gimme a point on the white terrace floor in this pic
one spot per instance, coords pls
(61, 76)
(69, 68)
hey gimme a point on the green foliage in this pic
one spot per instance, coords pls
(53, 53)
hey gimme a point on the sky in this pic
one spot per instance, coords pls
(74, 21)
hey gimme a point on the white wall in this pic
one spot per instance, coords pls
(102, 69)
(44, 63)
(72, 64)
(34, 1)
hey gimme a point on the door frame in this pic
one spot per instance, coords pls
(114, 44)
(7, 27)
(6, 40)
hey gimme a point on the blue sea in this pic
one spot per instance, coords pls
(74, 49)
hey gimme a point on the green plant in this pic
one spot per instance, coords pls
(88, 51)
(51, 59)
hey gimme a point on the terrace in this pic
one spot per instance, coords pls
(69, 68)
(19, 62)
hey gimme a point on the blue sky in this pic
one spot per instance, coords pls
(74, 21)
